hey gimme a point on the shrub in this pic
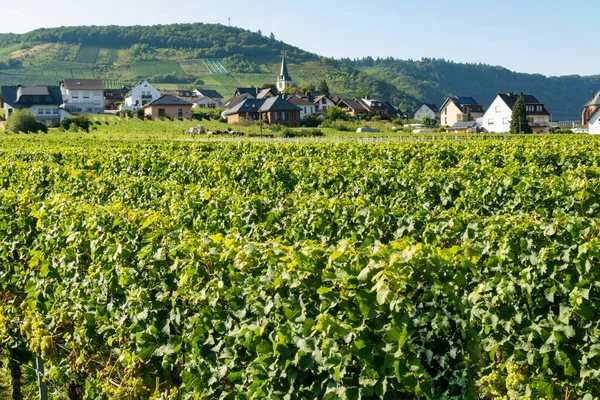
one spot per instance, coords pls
(276, 128)
(291, 133)
(311, 121)
(24, 121)
(77, 123)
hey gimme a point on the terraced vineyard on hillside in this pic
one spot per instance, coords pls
(140, 266)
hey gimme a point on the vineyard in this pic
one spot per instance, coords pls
(151, 268)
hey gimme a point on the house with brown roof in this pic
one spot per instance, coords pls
(83, 96)
(307, 108)
(353, 108)
(168, 106)
(322, 103)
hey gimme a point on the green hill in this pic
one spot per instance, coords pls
(208, 56)
(223, 58)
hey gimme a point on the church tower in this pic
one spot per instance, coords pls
(284, 81)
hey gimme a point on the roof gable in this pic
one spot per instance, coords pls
(29, 96)
(278, 104)
(84, 84)
(168, 100)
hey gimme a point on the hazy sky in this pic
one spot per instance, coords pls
(550, 37)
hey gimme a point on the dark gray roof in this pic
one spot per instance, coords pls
(278, 104)
(213, 94)
(84, 84)
(511, 98)
(251, 91)
(26, 97)
(168, 100)
(431, 106)
(595, 101)
(392, 110)
(246, 106)
(300, 101)
(232, 102)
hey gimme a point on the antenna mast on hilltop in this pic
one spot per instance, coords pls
(229, 21)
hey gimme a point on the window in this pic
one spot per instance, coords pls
(180, 112)
(40, 111)
(498, 109)
(96, 94)
(305, 112)
(86, 95)
(75, 94)
(161, 112)
(283, 115)
(491, 121)
(48, 111)
(324, 101)
(506, 121)
(445, 120)
(324, 108)
(445, 111)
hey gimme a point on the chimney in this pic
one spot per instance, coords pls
(593, 95)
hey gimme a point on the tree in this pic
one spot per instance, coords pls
(259, 32)
(335, 113)
(519, 122)
(272, 37)
(24, 121)
(428, 121)
(324, 87)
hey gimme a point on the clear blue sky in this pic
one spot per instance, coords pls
(550, 37)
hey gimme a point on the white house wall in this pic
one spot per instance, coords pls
(136, 100)
(594, 127)
(424, 110)
(497, 117)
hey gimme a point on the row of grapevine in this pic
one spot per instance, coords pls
(149, 268)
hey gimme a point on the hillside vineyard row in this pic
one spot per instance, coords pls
(303, 270)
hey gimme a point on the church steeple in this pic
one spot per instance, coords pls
(285, 80)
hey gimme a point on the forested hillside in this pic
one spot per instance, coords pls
(432, 80)
(223, 58)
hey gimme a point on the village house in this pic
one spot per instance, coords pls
(140, 95)
(307, 108)
(322, 103)
(83, 96)
(168, 106)
(274, 110)
(593, 120)
(353, 108)
(256, 93)
(431, 110)
(208, 98)
(247, 109)
(590, 108)
(499, 113)
(42, 101)
(114, 96)
(459, 109)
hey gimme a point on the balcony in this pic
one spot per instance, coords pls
(539, 124)
(146, 96)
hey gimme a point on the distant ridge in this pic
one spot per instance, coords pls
(214, 56)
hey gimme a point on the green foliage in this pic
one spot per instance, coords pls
(306, 268)
(323, 87)
(310, 121)
(299, 133)
(77, 123)
(335, 114)
(24, 121)
(519, 122)
(428, 121)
